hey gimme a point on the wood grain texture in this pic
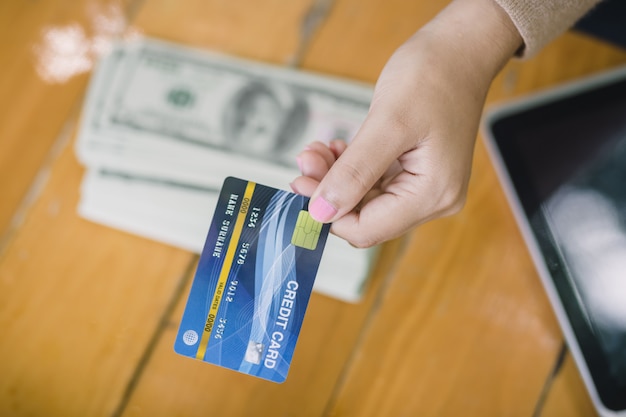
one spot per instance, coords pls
(80, 302)
(455, 321)
(358, 37)
(266, 30)
(463, 319)
(46, 50)
(94, 295)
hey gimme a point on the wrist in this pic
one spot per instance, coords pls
(479, 33)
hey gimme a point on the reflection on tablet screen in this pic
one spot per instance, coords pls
(587, 217)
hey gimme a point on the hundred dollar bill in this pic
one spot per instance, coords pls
(153, 103)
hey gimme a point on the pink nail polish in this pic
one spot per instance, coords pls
(321, 210)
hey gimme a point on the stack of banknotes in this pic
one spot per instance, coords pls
(163, 125)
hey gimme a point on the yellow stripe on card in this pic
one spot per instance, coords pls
(228, 262)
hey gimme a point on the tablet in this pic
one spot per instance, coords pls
(561, 157)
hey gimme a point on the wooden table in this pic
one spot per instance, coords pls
(454, 323)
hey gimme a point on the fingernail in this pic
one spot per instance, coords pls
(299, 162)
(321, 210)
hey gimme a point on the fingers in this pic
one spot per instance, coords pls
(304, 186)
(314, 162)
(321, 150)
(407, 201)
(413, 188)
(382, 218)
(359, 167)
(337, 146)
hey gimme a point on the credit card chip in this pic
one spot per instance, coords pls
(307, 231)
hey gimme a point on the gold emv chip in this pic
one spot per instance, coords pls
(307, 231)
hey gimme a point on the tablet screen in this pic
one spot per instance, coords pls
(566, 159)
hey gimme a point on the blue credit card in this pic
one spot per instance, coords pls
(253, 282)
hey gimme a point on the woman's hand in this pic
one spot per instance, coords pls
(410, 162)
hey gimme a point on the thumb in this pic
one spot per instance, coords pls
(354, 173)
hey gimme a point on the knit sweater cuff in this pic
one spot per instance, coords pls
(540, 21)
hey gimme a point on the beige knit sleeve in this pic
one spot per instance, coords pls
(540, 21)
